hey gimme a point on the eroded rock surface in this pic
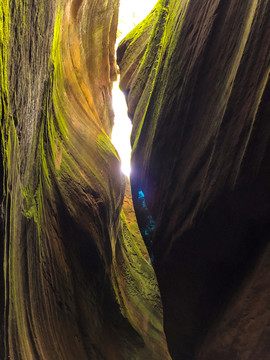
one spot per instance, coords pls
(196, 79)
(77, 283)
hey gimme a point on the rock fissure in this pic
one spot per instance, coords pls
(173, 264)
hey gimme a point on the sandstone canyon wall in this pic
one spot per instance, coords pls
(77, 282)
(196, 79)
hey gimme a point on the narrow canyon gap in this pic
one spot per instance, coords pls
(130, 14)
(77, 281)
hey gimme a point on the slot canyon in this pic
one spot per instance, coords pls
(173, 264)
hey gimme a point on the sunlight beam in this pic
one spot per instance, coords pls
(130, 14)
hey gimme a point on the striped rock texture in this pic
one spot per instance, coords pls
(196, 79)
(77, 282)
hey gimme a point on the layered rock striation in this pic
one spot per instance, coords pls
(196, 79)
(77, 279)
(77, 282)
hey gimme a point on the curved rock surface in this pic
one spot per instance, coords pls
(77, 282)
(196, 79)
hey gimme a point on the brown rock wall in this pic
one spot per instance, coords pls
(70, 289)
(200, 155)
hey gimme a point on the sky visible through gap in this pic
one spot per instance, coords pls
(130, 14)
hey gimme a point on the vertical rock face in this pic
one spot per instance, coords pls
(77, 283)
(196, 79)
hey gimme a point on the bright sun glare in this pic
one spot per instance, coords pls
(130, 14)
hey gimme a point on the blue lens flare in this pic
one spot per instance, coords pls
(148, 226)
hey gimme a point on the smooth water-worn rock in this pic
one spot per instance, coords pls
(196, 79)
(77, 279)
(77, 282)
